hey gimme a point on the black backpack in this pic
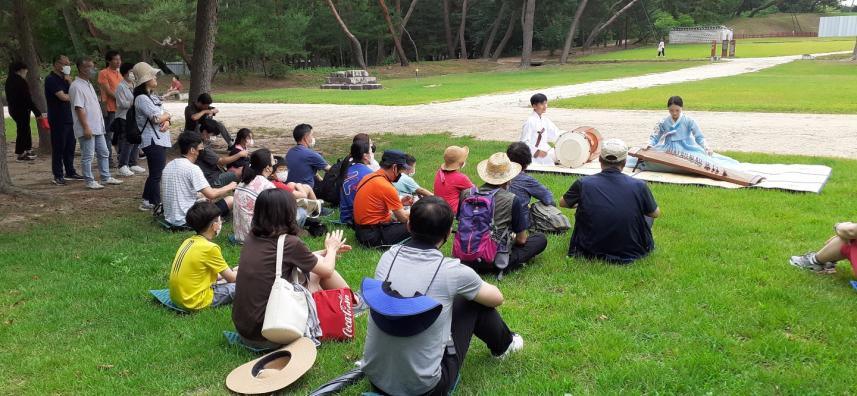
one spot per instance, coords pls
(133, 133)
(328, 188)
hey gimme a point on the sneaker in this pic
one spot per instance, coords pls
(516, 345)
(146, 206)
(361, 307)
(313, 207)
(75, 177)
(25, 157)
(59, 181)
(138, 169)
(808, 262)
(113, 181)
(30, 154)
(125, 171)
(94, 185)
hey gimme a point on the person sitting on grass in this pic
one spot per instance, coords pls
(842, 246)
(243, 142)
(199, 265)
(213, 165)
(429, 362)
(407, 185)
(281, 174)
(376, 198)
(449, 181)
(511, 218)
(304, 162)
(360, 159)
(254, 180)
(182, 180)
(525, 186)
(615, 212)
(273, 216)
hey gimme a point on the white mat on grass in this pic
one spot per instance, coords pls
(802, 178)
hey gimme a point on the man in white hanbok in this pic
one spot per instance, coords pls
(539, 131)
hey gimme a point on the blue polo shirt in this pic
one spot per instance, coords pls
(303, 163)
(610, 221)
(59, 112)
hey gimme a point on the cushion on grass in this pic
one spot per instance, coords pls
(163, 296)
(234, 339)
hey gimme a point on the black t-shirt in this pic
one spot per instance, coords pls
(207, 161)
(257, 269)
(189, 123)
(610, 221)
(59, 112)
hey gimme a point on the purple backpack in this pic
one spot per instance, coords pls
(473, 242)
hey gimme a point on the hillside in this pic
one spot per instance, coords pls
(775, 23)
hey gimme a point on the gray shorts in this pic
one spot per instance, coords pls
(223, 294)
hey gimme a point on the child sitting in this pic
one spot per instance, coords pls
(198, 264)
(407, 185)
(449, 182)
(243, 141)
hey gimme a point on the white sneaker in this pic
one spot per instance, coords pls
(138, 169)
(125, 171)
(516, 345)
(94, 185)
(113, 180)
(146, 206)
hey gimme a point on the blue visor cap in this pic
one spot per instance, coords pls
(396, 315)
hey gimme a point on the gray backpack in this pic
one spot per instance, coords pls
(548, 219)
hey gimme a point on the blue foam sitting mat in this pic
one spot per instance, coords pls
(163, 297)
(234, 339)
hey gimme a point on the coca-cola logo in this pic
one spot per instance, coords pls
(345, 301)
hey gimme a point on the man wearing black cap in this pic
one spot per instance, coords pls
(428, 362)
(376, 198)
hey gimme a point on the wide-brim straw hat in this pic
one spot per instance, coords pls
(453, 157)
(275, 370)
(143, 73)
(498, 169)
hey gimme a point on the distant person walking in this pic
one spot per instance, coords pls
(662, 49)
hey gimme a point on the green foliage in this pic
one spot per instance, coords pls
(750, 48)
(799, 87)
(279, 71)
(664, 22)
(142, 24)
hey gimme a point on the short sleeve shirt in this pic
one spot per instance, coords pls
(189, 123)
(110, 78)
(304, 163)
(449, 185)
(207, 161)
(59, 112)
(83, 96)
(245, 203)
(180, 183)
(406, 185)
(610, 220)
(355, 174)
(375, 199)
(194, 270)
(256, 277)
(412, 365)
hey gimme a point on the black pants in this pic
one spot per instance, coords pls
(24, 141)
(536, 243)
(662, 52)
(156, 157)
(469, 319)
(381, 234)
(62, 149)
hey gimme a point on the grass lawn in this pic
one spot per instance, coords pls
(715, 309)
(799, 87)
(410, 91)
(749, 48)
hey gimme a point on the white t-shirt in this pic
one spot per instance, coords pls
(180, 182)
(83, 95)
(245, 203)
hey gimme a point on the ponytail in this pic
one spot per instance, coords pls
(259, 160)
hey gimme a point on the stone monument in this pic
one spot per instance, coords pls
(351, 80)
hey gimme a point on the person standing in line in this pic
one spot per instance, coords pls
(89, 126)
(57, 84)
(108, 80)
(124, 99)
(154, 124)
(20, 105)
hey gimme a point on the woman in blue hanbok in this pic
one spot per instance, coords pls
(679, 134)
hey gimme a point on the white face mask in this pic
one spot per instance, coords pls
(66, 70)
(283, 176)
(312, 142)
(250, 142)
(212, 139)
(218, 228)
(413, 173)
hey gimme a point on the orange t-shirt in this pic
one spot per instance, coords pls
(376, 198)
(111, 78)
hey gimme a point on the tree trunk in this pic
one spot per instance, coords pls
(72, 32)
(5, 178)
(527, 52)
(404, 21)
(854, 55)
(31, 59)
(508, 35)
(569, 38)
(356, 50)
(461, 27)
(403, 59)
(450, 45)
(489, 42)
(203, 48)
(380, 58)
(609, 22)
